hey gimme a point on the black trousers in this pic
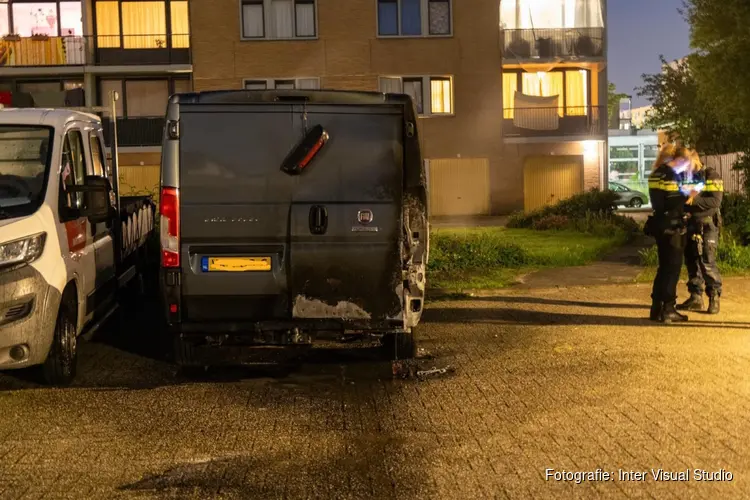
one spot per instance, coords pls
(671, 249)
(700, 258)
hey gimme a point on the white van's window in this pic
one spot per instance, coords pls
(97, 156)
(73, 168)
(24, 167)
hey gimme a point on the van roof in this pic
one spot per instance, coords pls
(269, 96)
(56, 118)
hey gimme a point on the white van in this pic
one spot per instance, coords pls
(67, 241)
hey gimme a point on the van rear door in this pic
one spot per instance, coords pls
(346, 216)
(321, 244)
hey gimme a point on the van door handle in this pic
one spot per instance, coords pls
(318, 219)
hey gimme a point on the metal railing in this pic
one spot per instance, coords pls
(20, 51)
(553, 43)
(135, 132)
(569, 120)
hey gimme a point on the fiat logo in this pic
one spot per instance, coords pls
(364, 216)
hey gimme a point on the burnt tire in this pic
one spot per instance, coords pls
(59, 369)
(400, 345)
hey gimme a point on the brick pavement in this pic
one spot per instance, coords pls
(572, 380)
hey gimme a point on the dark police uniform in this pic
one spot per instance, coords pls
(667, 225)
(702, 242)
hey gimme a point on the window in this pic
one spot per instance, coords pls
(571, 87)
(142, 24)
(73, 170)
(414, 17)
(432, 95)
(146, 97)
(283, 84)
(97, 155)
(623, 152)
(551, 14)
(278, 19)
(55, 18)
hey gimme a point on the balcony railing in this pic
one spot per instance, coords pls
(105, 50)
(550, 44)
(549, 122)
(135, 132)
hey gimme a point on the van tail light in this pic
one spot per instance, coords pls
(302, 154)
(169, 208)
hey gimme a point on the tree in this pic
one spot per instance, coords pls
(720, 36)
(613, 105)
(682, 110)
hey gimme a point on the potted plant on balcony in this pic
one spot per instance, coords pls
(544, 47)
(518, 47)
(12, 37)
(585, 46)
(40, 37)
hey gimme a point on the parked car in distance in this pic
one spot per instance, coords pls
(628, 197)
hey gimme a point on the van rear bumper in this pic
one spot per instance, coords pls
(278, 331)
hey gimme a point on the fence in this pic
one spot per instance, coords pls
(733, 179)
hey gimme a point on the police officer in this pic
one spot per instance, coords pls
(667, 225)
(702, 239)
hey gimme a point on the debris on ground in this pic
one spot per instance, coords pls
(409, 368)
(422, 374)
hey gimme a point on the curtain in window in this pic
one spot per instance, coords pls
(144, 25)
(576, 92)
(411, 17)
(510, 86)
(536, 112)
(282, 13)
(257, 85)
(308, 84)
(413, 88)
(540, 14)
(440, 95)
(146, 97)
(387, 17)
(252, 20)
(584, 14)
(390, 85)
(4, 24)
(106, 87)
(508, 14)
(180, 25)
(107, 25)
(305, 18)
(544, 85)
(440, 17)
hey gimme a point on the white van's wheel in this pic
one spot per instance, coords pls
(59, 369)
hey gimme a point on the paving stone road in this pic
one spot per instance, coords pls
(572, 380)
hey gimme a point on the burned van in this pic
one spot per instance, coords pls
(291, 216)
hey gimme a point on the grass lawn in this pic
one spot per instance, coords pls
(462, 259)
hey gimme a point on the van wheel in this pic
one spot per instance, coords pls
(400, 345)
(59, 369)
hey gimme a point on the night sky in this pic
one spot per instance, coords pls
(640, 30)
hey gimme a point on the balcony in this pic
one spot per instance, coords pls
(571, 121)
(553, 44)
(135, 132)
(118, 50)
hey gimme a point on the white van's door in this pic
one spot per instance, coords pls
(104, 249)
(77, 242)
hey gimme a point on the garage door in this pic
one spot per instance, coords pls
(459, 186)
(550, 179)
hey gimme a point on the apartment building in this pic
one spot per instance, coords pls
(58, 53)
(554, 97)
(444, 53)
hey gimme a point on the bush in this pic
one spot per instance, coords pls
(592, 212)
(735, 212)
(450, 252)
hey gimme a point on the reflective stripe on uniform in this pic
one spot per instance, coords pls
(663, 185)
(716, 186)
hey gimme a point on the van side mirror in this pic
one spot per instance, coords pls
(96, 204)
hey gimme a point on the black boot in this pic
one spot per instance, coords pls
(694, 303)
(670, 315)
(713, 304)
(656, 308)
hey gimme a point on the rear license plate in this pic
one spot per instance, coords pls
(236, 264)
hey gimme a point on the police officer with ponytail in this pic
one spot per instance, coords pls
(667, 226)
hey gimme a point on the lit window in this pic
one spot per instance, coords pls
(278, 19)
(144, 25)
(180, 24)
(432, 95)
(414, 17)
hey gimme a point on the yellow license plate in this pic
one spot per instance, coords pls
(239, 264)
